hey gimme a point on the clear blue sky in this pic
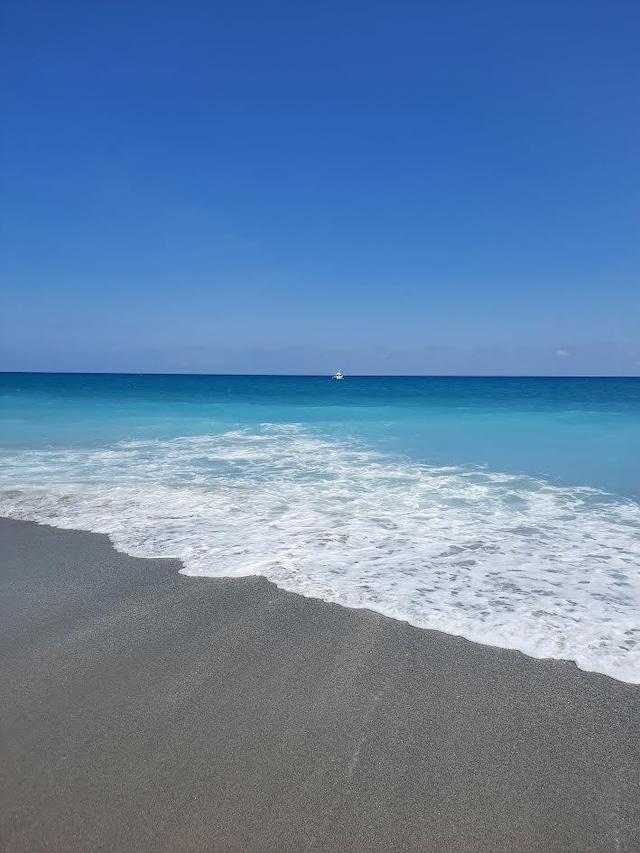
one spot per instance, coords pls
(398, 187)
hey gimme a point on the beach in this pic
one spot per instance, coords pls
(320, 428)
(143, 710)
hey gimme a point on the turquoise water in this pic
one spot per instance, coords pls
(504, 510)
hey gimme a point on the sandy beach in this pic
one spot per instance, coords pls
(143, 710)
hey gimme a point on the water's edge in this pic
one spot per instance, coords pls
(561, 662)
(327, 599)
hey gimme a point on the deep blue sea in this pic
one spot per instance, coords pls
(503, 510)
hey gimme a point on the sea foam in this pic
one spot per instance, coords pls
(500, 559)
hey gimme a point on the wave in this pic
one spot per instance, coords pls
(500, 559)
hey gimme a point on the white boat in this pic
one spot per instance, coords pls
(338, 375)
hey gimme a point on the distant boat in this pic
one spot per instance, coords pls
(338, 375)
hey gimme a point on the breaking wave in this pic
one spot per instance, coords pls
(500, 559)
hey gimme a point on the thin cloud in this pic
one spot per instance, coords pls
(562, 352)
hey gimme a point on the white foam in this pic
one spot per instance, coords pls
(499, 559)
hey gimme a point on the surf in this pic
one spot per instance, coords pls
(502, 559)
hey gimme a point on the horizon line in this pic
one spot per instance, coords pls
(321, 375)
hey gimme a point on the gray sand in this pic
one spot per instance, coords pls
(146, 711)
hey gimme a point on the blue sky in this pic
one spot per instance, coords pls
(402, 187)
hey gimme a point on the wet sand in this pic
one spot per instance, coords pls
(142, 710)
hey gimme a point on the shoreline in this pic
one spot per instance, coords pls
(145, 709)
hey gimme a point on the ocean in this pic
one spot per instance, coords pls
(503, 510)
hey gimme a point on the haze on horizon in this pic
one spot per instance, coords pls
(441, 188)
